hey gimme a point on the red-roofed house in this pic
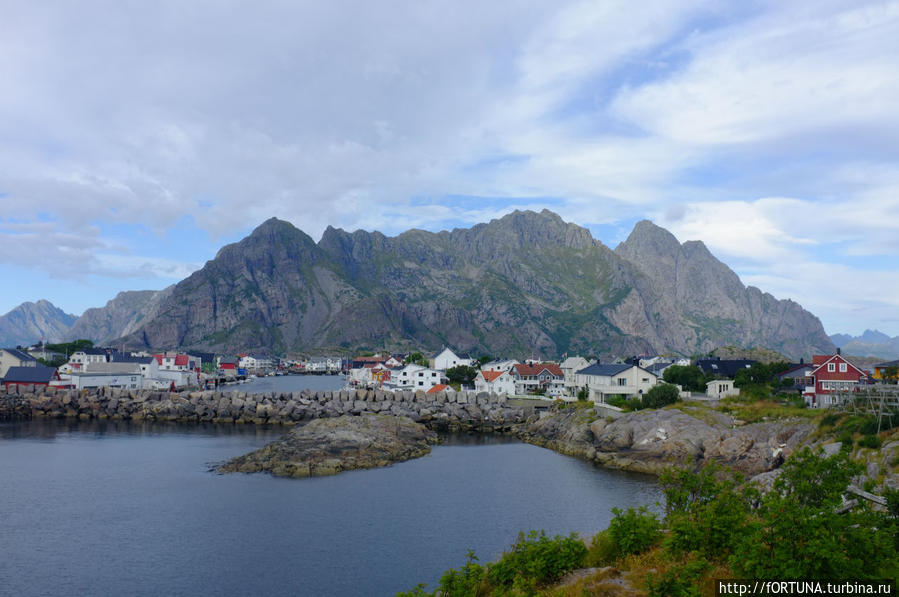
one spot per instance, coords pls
(530, 378)
(441, 387)
(171, 361)
(495, 382)
(832, 375)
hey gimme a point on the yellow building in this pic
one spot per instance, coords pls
(881, 367)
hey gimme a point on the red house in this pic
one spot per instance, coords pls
(832, 374)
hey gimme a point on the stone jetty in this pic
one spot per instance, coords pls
(464, 411)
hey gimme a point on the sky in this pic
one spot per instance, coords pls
(137, 138)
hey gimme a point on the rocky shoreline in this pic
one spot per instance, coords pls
(330, 446)
(645, 441)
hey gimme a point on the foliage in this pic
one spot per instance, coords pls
(755, 374)
(416, 358)
(57, 362)
(678, 581)
(660, 395)
(634, 531)
(689, 377)
(798, 532)
(538, 559)
(67, 348)
(463, 374)
(706, 511)
(890, 374)
(483, 360)
(583, 393)
(603, 550)
(869, 441)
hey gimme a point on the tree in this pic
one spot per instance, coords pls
(583, 393)
(416, 358)
(689, 377)
(890, 374)
(463, 374)
(483, 360)
(757, 373)
(660, 395)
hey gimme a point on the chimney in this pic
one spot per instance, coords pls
(838, 351)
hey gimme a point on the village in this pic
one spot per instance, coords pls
(819, 382)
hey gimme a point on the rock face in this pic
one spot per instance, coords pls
(121, 316)
(329, 446)
(30, 322)
(527, 283)
(650, 441)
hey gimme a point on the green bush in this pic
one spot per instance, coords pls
(679, 581)
(617, 400)
(603, 550)
(660, 395)
(634, 531)
(869, 441)
(537, 559)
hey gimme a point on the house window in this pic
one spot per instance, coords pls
(831, 367)
(843, 368)
(622, 381)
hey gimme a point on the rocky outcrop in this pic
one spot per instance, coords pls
(31, 322)
(329, 446)
(527, 283)
(653, 440)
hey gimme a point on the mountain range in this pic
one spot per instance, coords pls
(31, 322)
(871, 343)
(525, 284)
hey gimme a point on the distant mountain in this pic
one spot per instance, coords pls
(871, 343)
(31, 322)
(121, 316)
(527, 283)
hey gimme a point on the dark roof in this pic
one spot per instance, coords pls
(604, 369)
(206, 357)
(728, 367)
(794, 368)
(20, 354)
(37, 374)
(888, 364)
(228, 362)
(120, 358)
(657, 368)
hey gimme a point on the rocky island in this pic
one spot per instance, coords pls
(329, 446)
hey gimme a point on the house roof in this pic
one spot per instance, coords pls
(94, 351)
(837, 357)
(35, 374)
(20, 354)
(181, 360)
(887, 364)
(442, 350)
(538, 368)
(795, 368)
(728, 367)
(604, 370)
(131, 359)
(491, 375)
(438, 388)
(114, 367)
(228, 362)
(658, 367)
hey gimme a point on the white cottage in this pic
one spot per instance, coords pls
(616, 379)
(446, 359)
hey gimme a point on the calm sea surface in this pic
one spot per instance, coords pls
(115, 508)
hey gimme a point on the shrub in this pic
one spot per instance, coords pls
(679, 581)
(537, 559)
(603, 550)
(634, 531)
(869, 441)
(660, 395)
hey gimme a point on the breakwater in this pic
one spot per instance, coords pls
(443, 410)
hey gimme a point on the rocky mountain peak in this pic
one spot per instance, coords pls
(648, 239)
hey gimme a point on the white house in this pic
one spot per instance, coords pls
(84, 357)
(425, 379)
(112, 375)
(403, 378)
(569, 367)
(539, 376)
(610, 380)
(495, 382)
(500, 365)
(721, 388)
(446, 359)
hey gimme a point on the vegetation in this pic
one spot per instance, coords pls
(463, 374)
(689, 377)
(583, 393)
(658, 396)
(715, 526)
(67, 348)
(416, 358)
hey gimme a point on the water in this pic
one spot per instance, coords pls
(289, 383)
(110, 508)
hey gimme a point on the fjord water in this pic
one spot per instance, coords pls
(117, 508)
